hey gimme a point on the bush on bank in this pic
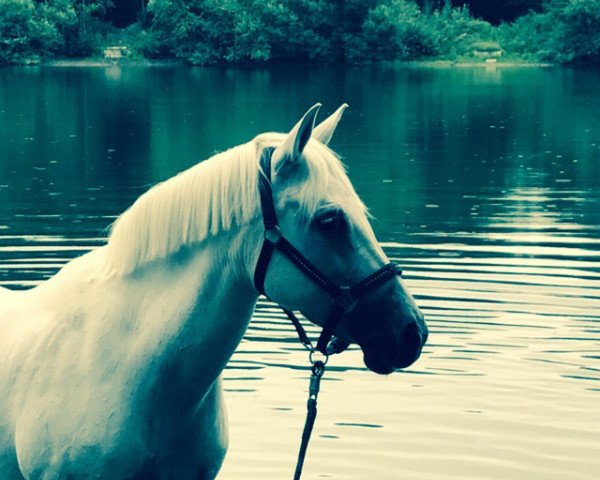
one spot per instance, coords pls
(32, 29)
(566, 31)
(26, 32)
(576, 34)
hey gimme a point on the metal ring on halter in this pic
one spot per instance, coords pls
(313, 360)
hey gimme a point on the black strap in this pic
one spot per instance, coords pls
(302, 335)
(265, 191)
(376, 279)
(331, 324)
(311, 414)
(269, 219)
(304, 265)
(260, 273)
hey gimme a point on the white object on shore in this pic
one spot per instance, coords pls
(116, 53)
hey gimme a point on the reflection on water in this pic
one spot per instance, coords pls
(484, 184)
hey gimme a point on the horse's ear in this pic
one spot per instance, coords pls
(290, 151)
(324, 131)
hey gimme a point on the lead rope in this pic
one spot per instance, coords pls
(317, 371)
(318, 368)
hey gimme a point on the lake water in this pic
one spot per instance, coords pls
(485, 186)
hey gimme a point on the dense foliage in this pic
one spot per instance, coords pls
(30, 29)
(25, 32)
(255, 31)
(353, 31)
(565, 31)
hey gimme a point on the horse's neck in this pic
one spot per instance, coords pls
(206, 312)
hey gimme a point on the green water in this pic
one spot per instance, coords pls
(484, 183)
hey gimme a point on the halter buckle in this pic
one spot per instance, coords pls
(273, 234)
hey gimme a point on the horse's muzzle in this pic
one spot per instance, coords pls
(414, 336)
(385, 353)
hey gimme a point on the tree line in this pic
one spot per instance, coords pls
(258, 31)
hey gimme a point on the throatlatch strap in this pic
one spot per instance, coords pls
(269, 219)
(260, 273)
(265, 191)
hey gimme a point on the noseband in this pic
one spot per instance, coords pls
(345, 298)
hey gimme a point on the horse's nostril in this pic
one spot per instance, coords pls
(411, 335)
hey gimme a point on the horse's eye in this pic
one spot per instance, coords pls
(331, 221)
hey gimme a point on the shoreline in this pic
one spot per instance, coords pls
(101, 62)
(440, 63)
(433, 63)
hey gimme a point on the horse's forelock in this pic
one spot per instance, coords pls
(328, 181)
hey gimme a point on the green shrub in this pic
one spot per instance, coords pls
(529, 37)
(395, 29)
(199, 31)
(15, 33)
(209, 31)
(28, 31)
(82, 37)
(566, 31)
(457, 33)
(577, 34)
(62, 16)
(32, 29)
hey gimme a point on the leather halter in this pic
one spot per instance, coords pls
(345, 298)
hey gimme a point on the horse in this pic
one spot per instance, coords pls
(111, 369)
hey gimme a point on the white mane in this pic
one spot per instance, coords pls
(211, 197)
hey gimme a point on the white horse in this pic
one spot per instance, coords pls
(111, 369)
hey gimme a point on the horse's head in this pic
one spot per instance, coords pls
(320, 214)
